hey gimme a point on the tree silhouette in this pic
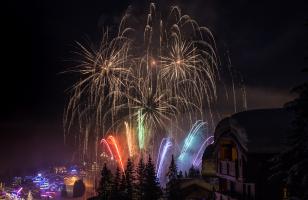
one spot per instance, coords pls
(172, 190)
(152, 189)
(172, 173)
(140, 177)
(130, 179)
(115, 192)
(63, 191)
(193, 172)
(180, 175)
(122, 187)
(79, 188)
(105, 185)
(292, 163)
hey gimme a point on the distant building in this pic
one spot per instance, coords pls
(209, 166)
(244, 144)
(60, 170)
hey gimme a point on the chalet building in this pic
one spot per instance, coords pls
(209, 167)
(209, 162)
(244, 145)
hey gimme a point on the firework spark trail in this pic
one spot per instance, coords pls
(103, 141)
(129, 138)
(198, 156)
(194, 131)
(141, 131)
(192, 71)
(85, 144)
(103, 74)
(159, 152)
(243, 91)
(165, 146)
(113, 142)
(152, 109)
(233, 84)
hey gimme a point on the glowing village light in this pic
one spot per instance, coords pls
(70, 180)
(74, 171)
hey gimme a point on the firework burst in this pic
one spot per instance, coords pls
(149, 84)
(104, 72)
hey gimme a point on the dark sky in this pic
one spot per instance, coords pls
(267, 41)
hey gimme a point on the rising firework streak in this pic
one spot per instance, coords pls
(165, 146)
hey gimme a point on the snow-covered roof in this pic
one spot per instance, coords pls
(258, 131)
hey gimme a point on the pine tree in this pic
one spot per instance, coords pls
(122, 187)
(140, 179)
(172, 173)
(186, 176)
(197, 173)
(79, 189)
(116, 185)
(292, 163)
(130, 179)
(105, 185)
(180, 175)
(152, 189)
(172, 190)
(63, 191)
(192, 172)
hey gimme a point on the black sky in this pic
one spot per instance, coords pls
(267, 42)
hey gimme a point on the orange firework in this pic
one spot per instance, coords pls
(111, 140)
(103, 141)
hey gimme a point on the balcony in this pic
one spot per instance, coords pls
(228, 168)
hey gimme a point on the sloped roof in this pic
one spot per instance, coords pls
(258, 131)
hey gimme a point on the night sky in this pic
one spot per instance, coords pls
(267, 42)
